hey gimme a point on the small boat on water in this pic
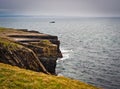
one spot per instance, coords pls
(52, 22)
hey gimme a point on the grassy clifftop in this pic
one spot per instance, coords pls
(15, 78)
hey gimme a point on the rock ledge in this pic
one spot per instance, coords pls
(29, 49)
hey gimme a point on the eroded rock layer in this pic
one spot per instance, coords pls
(29, 49)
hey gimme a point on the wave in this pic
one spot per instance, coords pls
(65, 53)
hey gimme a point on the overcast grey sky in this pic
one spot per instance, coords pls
(61, 7)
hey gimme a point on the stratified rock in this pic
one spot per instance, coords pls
(30, 50)
(18, 55)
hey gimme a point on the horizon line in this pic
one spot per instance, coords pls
(59, 16)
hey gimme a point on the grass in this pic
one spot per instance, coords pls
(8, 44)
(49, 49)
(15, 78)
(4, 41)
(2, 29)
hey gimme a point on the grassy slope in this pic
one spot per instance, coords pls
(15, 78)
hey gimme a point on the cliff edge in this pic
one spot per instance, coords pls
(29, 49)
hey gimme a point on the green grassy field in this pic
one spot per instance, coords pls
(12, 77)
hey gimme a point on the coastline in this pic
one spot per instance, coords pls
(15, 51)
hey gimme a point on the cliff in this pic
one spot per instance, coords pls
(33, 51)
(29, 49)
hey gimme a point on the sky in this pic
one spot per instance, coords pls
(77, 8)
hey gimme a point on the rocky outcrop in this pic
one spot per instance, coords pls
(29, 49)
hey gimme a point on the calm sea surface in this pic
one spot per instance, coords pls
(91, 47)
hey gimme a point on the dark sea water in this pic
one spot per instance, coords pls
(90, 46)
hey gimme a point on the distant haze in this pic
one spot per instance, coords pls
(79, 8)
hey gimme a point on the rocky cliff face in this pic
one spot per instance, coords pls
(29, 49)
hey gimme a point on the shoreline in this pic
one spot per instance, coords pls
(22, 55)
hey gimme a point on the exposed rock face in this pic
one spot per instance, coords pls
(29, 49)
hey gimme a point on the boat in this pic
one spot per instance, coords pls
(52, 22)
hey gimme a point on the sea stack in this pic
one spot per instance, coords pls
(29, 49)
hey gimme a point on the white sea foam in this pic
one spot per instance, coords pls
(65, 53)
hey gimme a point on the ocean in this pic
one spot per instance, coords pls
(90, 46)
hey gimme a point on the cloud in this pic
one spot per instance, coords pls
(62, 7)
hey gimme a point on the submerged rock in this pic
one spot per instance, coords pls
(29, 49)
